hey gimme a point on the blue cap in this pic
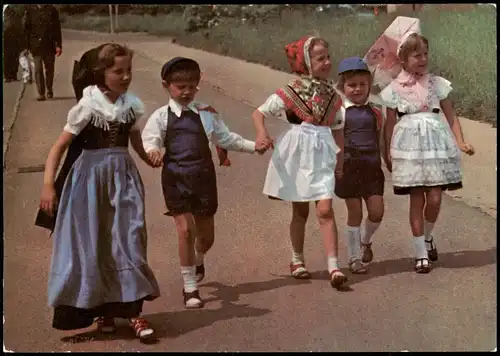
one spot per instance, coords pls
(167, 67)
(352, 63)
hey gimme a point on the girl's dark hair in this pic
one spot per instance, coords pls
(347, 75)
(184, 70)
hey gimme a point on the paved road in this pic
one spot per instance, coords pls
(11, 93)
(252, 304)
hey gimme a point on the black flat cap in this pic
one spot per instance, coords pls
(172, 64)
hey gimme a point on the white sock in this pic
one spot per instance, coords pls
(420, 249)
(353, 242)
(200, 256)
(297, 257)
(189, 277)
(428, 227)
(368, 231)
(333, 263)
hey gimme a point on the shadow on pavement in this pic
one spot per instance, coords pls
(123, 332)
(459, 259)
(175, 324)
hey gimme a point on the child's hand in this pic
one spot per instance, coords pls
(467, 148)
(339, 171)
(262, 147)
(48, 200)
(263, 141)
(155, 158)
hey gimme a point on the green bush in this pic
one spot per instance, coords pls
(462, 43)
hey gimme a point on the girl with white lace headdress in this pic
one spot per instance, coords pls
(423, 153)
(99, 266)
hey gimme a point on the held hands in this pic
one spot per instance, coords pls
(263, 142)
(58, 51)
(48, 200)
(339, 171)
(466, 148)
(155, 158)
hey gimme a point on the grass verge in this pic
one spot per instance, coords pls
(462, 44)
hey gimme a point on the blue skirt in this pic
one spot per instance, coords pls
(99, 261)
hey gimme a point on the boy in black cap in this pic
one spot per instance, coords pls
(363, 178)
(185, 128)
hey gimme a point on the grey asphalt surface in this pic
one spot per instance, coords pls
(252, 303)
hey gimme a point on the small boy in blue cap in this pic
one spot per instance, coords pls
(363, 178)
(185, 127)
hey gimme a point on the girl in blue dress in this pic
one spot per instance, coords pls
(99, 266)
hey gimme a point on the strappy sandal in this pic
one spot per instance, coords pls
(337, 278)
(299, 271)
(106, 325)
(433, 253)
(422, 265)
(200, 273)
(367, 253)
(141, 328)
(192, 300)
(356, 267)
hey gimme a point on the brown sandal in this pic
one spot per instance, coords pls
(299, 271)
(337, 278)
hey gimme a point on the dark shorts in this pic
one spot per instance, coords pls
(407, 190)
(194, 193)
(361, 179)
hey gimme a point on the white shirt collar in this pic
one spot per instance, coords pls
(347, 103)
(178, 108)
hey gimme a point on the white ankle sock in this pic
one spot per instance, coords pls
(353, 236)
(200, 256)
(368, 231)
(189, 277)
(428, 227)
(297, 257)
(419, 244)
(333, 263)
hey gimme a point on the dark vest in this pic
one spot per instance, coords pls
(187, 149)
(360, 132)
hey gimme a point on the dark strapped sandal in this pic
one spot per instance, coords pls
(299, 271)
(357, 267)
(194, 299)
(433, 252)
(367, 253)
(337, 279)
(422, 265)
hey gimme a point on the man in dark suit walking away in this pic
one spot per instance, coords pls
(13, 40)
(43, 31)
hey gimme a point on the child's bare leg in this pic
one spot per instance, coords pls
(328, 228)
(205, 240)
(417, 202)
(375, 207)
(431, 212)
(353, 234)
(300, 213)
(186, 231)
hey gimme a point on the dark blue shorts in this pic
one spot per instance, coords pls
(194, 193)
(362, 178)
